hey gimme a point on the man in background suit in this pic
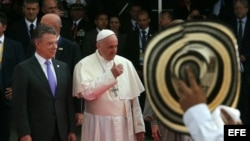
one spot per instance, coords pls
(51, 6)
(135, 48)
(223, 9)
(43, 113)
(11, 53)
(89, 42)
(20, 30)
(79, 23)
(240, 12)
(129, 20)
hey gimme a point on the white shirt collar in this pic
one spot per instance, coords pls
(40, 59)
(2, 39)
(28, 23)
(244, 20)
(146, 29)
(77, 21)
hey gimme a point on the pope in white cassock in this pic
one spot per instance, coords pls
(110, 86)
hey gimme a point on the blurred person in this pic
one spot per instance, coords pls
(11, 53)
(89, 42)
(223, 9)
(43, 112)
(195, 15)
(136, 44)
(183, 9)
(241, 28)
(192, 101)
(79, 23)
(22, 29)
(130, 21)
(110, 87)
(115, 26)
(166, 18)
(159, 131)
(51, 6)
(135, 48)
(13, 9)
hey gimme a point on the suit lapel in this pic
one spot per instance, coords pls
(40, 74)
(246, 28)
(5, 50)
(25, 30)
(60, 47)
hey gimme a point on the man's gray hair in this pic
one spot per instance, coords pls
(41, 30)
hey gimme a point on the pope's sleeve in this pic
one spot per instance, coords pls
(93, 88)
(201, 124)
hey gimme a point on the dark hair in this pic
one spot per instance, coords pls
(31, 1)
(170, 14)
(243, 2)
(41, 30)
(3, 18)
(100, 13)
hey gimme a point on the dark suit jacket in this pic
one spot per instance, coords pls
(243, 103)
(82, 28)
(122, 37)
(66, 28)
(244, 45)
(36, 110)
(89, 42)
(227, 11)
(12, 55)
(18, 31)
(126, 25)
(68, 52)
(132, 47)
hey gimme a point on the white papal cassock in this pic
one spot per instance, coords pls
(112, 110)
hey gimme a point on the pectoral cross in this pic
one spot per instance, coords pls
(115, 90)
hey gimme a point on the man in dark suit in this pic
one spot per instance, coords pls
(223, 9)
(135, 48)
(67, 51)
(43, 113)
(241, 28)
(129, 20)
(89, 42)
(20, 30)
(79, 23)
(11, 53)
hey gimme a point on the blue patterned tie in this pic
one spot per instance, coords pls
(51, 78)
